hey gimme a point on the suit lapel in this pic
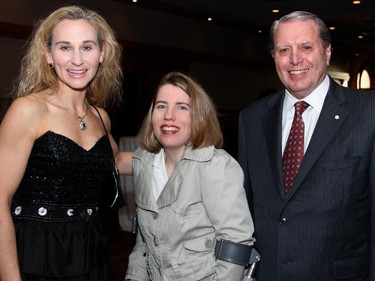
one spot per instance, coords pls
(273, 131)
(330, 120)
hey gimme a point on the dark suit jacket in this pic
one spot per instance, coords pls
(324, 230)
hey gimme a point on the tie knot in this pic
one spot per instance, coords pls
(300, 107)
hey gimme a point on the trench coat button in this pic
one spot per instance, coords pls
(283, 220)
(156, 241)
(209, 243)
(155, 216)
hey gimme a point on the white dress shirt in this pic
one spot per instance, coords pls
(310, 115)
(159, 174)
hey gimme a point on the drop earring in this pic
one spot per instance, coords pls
(51, 65)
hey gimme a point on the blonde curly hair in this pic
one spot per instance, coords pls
(37, 76)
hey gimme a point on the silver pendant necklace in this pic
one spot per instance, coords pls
(82, 124)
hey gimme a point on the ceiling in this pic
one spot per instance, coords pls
(253, 15)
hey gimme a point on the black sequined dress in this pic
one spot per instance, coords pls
(55, 211)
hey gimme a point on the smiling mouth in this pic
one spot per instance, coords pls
(170, 129)
(77, 71)
(298, 72)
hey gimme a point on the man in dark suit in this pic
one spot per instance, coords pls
(318, 223)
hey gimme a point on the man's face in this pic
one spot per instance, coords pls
(300, 59)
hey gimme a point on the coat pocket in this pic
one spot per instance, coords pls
(339, 164)
(198, 253)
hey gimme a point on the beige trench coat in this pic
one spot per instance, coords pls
(202, 202)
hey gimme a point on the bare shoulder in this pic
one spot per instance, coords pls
(28, 105)
(104, 115)
(25, 113)
(102, 112)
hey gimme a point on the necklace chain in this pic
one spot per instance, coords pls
(82, 124)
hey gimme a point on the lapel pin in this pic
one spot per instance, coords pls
(337, 117)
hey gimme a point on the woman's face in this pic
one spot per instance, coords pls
(171, 118)
(75, 53)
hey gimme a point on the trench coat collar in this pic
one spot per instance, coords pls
(170, 192)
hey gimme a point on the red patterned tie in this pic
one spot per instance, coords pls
(294, 149)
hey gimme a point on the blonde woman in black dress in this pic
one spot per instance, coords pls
(55, 153)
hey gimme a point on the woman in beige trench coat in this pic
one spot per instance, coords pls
(189, 192)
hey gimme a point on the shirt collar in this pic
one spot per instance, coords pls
(159, 160)
(315, 99)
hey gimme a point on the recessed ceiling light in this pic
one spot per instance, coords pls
(275, 11)
(209, 19)
(360, 36)
(356, 2)
(134, 1)
(332, 28)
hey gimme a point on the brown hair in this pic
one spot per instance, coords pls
(204, 122)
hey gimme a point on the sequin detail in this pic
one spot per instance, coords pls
(60, 171)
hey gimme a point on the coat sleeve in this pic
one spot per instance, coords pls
(137, 262)
(242, 156)
(137, 270)
(225, 201)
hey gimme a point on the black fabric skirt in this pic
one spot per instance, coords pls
(100, 273)
(74, 250)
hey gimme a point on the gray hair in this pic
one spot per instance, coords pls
(301, 16)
